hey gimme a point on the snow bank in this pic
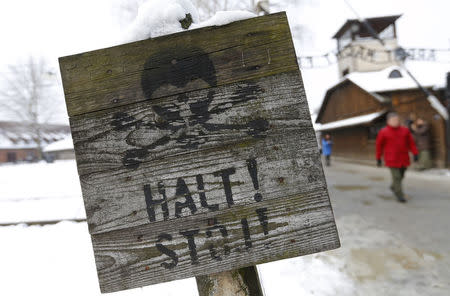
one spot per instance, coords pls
(58, 260)
(161, 17)
(40, 192)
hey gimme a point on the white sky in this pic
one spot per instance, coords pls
(54, 28)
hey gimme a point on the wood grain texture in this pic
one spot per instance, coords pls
(209, 163)
(298, 225)
(242, 50)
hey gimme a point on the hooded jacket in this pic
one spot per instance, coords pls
(394, 143)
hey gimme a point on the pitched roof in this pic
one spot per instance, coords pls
(345, 80)
(378, 23)
(429, 75)
(357, 120)
(377, 83)
(18, 135)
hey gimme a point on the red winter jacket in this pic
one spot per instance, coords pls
(394, 143)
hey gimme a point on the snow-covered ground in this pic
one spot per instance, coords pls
(58, 259)
(40, 192)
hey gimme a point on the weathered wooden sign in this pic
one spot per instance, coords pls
(196, 153)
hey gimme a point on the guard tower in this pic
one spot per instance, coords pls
(358, 51)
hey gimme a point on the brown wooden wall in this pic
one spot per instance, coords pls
(353, 143)
(414, 101)
(21, 154)
(347, 101)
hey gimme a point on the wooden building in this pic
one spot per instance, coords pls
(359, 52)
(372, 84)
(18, 144)
(353, 111)
(62, 149)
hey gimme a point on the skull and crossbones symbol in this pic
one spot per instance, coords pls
(183, 123)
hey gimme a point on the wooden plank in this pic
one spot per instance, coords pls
(102, 138)
(279, 150)
(295, 225)
(242, 50)
(188, 179)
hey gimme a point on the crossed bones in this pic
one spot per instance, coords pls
(183, 124)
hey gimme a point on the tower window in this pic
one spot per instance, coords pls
(395, 74)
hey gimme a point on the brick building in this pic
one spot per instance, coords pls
(18, 144)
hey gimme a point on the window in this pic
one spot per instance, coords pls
(345, 72)
(395, 74)
(11, 157)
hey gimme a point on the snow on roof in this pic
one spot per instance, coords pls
(7, 142)
(350, 121)
(61, 145)
(428, 74)
(19, 135)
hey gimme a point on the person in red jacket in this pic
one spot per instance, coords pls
(394, 143)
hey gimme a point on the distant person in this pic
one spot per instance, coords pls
(326, 148)
(394, 143)
(410, 121)
(421, 132)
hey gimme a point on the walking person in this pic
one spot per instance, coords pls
(326, 148)
(422, 136)
(394, 143)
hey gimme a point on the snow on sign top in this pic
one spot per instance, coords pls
(196, 153)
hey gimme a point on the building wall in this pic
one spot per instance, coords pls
(415, 102)
(349, 101)
(381, 60)
(20, 154)
(353, 143)
(63, 154)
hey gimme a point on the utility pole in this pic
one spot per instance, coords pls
(447, 96)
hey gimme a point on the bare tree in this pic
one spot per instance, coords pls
(208, 8)
(29, 95)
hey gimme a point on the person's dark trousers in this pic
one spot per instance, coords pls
(327, 160)
(397, 178)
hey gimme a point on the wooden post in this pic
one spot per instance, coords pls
(238, 282)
